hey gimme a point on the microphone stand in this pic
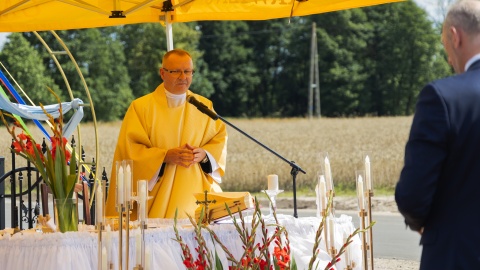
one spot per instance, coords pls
(293, 172)
(295, 168)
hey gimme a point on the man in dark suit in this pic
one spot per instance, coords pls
(439, 188)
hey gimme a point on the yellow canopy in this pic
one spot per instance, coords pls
(40, 15)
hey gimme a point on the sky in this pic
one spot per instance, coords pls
(3, 37)
(431, 6)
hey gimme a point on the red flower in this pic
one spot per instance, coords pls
(188, 263)
(29, 148)
(22, 136)
(17, 147)
(263, 265)
(282, 256)
(56, 143)
(245, 261)
(25, 146)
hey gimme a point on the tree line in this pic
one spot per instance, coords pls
(372, 61)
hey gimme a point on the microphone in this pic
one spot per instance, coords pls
(202, 107)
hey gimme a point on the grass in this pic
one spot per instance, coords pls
(338, 192)
(296, 139)
(302, 141)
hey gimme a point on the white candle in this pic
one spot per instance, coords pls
(328, 175)
(108, 239)
(128, 183)
(104, 259)
(120, 181)
(138, 247)
(367, 173)
(331, 230)
(360, 193)
(272, 182)
(142, 199)
(318, 198)
(148, 258)
(323, 193)
(99, 205)
(319, 206)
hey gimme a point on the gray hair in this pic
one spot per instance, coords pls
(464, 14)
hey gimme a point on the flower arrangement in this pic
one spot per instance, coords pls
(255, 255)
(57, 165)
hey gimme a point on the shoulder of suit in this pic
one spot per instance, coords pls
(475, 66)
(459, 82)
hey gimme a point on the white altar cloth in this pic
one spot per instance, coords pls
(78, 250)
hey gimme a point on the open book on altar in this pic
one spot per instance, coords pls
(219, 201)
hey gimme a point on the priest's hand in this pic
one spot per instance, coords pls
(198, 153)
(181, 156)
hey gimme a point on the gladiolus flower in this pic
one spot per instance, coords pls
(17, 147)
(188, 263)
(282, 257)
(22, 136)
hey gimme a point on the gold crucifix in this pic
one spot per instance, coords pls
(206, 202)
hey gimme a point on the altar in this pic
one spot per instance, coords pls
(78, 250)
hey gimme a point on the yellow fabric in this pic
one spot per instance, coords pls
(38, 15)
(201, 10)
(148, 130)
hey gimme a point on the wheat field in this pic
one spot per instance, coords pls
(296, 139)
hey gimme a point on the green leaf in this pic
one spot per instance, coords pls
(60, 173)
(73, 163)
(275, 263)
(72, 176)
(218, 262)
(50, 171)
(37, 161)
(293, 264)
(70, 185)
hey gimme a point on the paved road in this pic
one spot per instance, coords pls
(390, 237)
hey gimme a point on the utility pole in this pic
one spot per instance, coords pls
(314, 83)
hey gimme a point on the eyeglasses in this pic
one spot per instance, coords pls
(178, 72)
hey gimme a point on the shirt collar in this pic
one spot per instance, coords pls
(174, 100)
(471, 61)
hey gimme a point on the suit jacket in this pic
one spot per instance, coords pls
(439, 186)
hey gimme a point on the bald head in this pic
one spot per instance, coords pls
(178, 52)
(464, 14)
(461, 33)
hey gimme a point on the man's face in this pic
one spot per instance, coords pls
(176, 83)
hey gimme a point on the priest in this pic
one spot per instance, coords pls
(175, 147)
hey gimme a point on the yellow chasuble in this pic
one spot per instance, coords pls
(148, 130)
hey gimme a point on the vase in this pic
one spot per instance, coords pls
(66, 214)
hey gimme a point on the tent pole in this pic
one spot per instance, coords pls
(311, 84)
(317, 81)
(168, 31)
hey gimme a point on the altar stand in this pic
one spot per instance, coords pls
(78, 250)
